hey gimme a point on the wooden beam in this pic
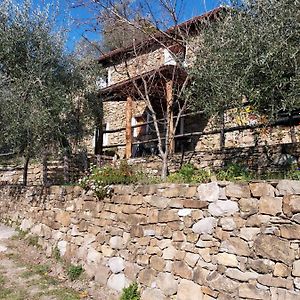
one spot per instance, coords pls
(128, 149)
(170, 114)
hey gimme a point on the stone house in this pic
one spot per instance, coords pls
(152, 65)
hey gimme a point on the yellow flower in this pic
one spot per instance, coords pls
(83, 294)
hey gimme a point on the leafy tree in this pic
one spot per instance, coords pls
(38, 83)
(252, 53)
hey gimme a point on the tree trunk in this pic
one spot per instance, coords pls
(164, 169)
(25, 170)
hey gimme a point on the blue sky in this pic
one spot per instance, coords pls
(191, 8)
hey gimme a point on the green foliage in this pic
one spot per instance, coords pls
(251, 53)
(40, 269)
(131, 293)
(41, 86)
(101, 179)
(293, 173)
(56, 253)
(33, 240)
(74, 272)
(189, 174)
(234, 172)
(21, 233)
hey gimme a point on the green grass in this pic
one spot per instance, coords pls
(2, 280)
(13, 294)
(62, 294)
(33, 240)
(56, 254)
(44, 280)
(21, 234)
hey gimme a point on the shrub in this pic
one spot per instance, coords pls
(74, 272)
(100, 179)
(234, 172)
(189, 174)
(131, 293)
(293, 173)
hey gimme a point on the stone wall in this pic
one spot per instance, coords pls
(259, 159)
(213, 241)
(13, 174)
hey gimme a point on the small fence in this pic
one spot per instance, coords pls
(64, 170)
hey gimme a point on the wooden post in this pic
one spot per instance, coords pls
(99, 137)
(170, 114)
(128, 149)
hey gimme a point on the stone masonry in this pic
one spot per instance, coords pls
(219, 240)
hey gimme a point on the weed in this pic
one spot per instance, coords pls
(131, 293)
(2, 280)
(33, 240)
(234, 172)
(74, 272)
(189, 174)
(21, 233)
(293, 173)
(56, 253)
(40, 269)
(12, 294)
(100, 179)
(14, 256)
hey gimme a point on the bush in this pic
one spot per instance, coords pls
(293, 173)
(233, 172)
(100, 179)
(189, 174)
(131, 293)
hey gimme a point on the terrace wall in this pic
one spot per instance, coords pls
(219, 240)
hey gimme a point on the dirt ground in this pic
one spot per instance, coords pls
(27, 274)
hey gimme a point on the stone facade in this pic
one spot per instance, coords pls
(266, 136)
(219, 240)
(135, 66)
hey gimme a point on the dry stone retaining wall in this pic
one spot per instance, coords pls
(212, 241)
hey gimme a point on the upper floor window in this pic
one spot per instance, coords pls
(175, 54)
(104, 80)
(169, 58)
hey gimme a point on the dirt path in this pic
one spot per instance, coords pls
(26, 273)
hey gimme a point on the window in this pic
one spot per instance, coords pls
(105, 135)
(169, 58)
(104, 80)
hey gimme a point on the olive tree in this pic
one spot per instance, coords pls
(39, 83)
(252, 54)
